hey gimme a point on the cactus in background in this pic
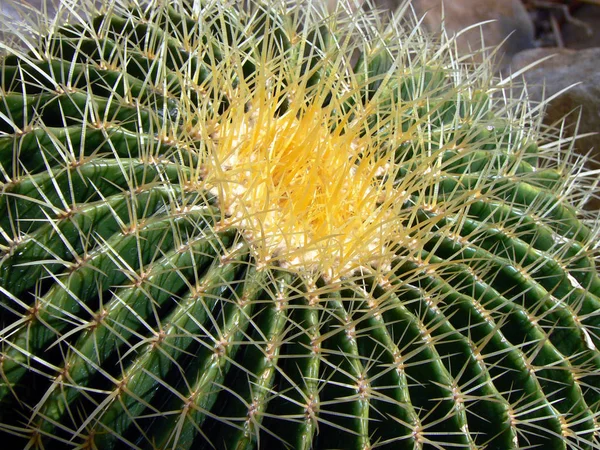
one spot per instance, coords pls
(275, 228)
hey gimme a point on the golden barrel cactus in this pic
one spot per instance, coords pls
(274, 227)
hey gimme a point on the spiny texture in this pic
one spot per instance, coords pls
(274, 228)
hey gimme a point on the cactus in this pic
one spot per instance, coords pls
(275, 227)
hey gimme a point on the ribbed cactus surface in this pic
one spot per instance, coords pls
(273, 228)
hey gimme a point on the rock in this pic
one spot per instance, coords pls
(510, 21)
(565, 68)
(19, 10)
(583, 31)
(19, 18)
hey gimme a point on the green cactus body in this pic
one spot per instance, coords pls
(221, 229)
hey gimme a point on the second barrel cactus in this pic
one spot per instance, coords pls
(271, 227)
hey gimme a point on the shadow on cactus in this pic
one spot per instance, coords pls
(275, 228)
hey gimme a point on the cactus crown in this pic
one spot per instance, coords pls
(276, 227)
(306, 189)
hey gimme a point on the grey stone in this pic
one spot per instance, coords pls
(565, 68)
(510, 22)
